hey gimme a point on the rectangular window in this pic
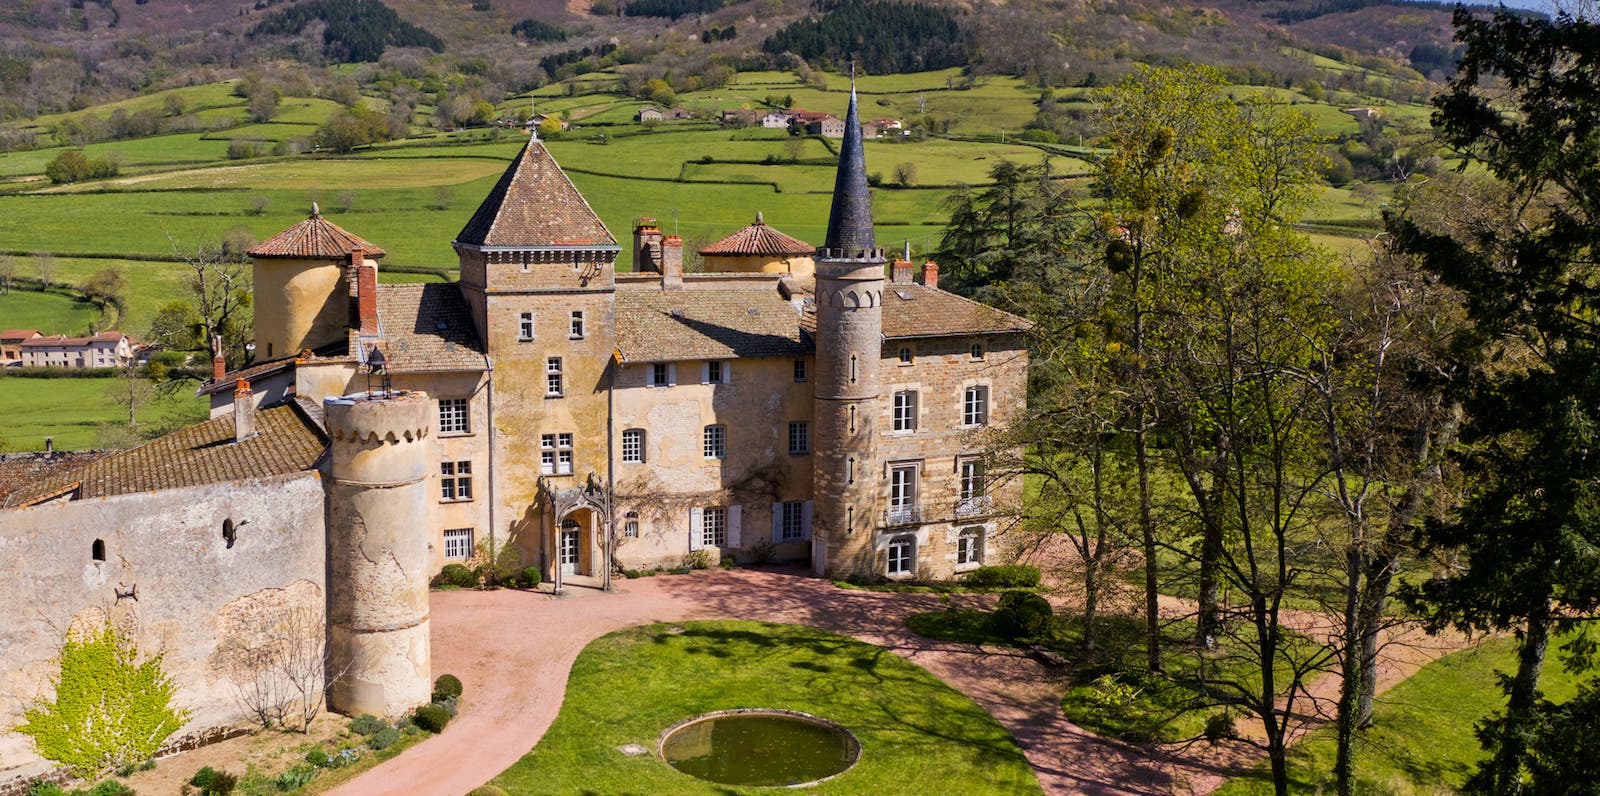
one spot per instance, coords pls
(902, 494)
(969, 546)
(714, 526)
(716, 442)
(576, 332)
(633, 446)
(661, 375)
(552, 377)
(905, 410)
(901, 552)
(555, 454)
(975, 407)
(458, 543)
(799, 438)
(799, 370)
(791, 521)
(455, 481)
(525, 326)
(715, 372)
(453, 416)
(630, 529)
(972, 485)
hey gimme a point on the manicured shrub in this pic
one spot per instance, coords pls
(447, 686)
(433, 718)
(1023, 615)
(368, 725)
(529, 578)
(1009, 576)
(456, 575)
(383, 739)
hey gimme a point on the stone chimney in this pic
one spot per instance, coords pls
(244, 412)
(219, 366)
(367, 298)
(672, 262)
(900, 272)
(647, 246)
(930, 274)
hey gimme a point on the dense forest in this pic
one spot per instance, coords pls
(671, 9)
(354, 31)
(534, 30)
(880, 36)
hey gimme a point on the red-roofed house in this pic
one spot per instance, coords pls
(11, 345)
(104, 350)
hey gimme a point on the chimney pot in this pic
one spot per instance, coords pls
(930, 274)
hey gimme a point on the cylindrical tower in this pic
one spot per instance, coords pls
(378, 553)
(849, 341)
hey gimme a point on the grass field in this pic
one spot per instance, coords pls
(1422, 741)
(72, 412)
(50, 313)
(917, 735)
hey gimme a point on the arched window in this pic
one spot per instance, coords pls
(97, 551)
(228, 533)
(969, 546)
(630, 525)
(902, 556)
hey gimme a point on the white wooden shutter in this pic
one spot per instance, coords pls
(777, 523)
(672, 374)
(733, 526)
(727, 371)
(805, 520)
(697, 528)
(705, 372)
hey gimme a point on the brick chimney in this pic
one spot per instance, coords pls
(244, 412)
(219, 366)
(672, 262)
(367, 298)
(930, 274)
(647, 246)
(900, 272)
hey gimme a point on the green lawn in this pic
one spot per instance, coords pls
(50, 313)
(72, 412)
(917, 735)
(1422, 741)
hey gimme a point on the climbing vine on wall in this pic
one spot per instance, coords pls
(110, 708)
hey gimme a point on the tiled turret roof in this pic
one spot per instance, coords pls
(758, 238)
(315, 238)
(534, 204)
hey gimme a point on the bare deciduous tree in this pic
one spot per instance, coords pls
(220, 289)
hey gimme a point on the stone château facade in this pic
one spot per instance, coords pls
(819, 404)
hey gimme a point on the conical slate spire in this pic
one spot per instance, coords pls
(850, 220)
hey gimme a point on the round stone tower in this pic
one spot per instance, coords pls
(378, 553)
(849, 340)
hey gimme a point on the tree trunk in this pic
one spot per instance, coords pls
(1353, 672)
(1520, 708)
(1209, 611)
(1374, 602)
(1147, 532)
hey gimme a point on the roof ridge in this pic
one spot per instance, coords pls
(535, 204)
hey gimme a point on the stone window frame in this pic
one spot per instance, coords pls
(633, 446)
(791, 521)
(975, 405)
(976, 351)
(575, 329)
(714, 526)
(554, 383)
(453, 548)
(799, 438)
(455, 481)
(906, 357)
(526, 326)
(900, 560)
(555, 453)
(969, 546)
(905, 491)
(903, 411)
(455, 417)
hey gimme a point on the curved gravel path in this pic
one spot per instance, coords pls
(513, 651)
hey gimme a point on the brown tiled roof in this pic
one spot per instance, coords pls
(912, 310)
(60, 340)
(757, 239)
(22, 470)
(315, 238)
(286, 441)
(704, 322)
(534, 204)
(250, 373)
(18, 334)
(427, 328)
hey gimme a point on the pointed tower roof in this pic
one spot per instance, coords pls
(850, 221)
(315, 238)
(534, 204)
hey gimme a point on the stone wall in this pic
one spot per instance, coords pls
(169, 573)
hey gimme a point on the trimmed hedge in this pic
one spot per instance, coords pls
(1023, 615)
(448, 686)
(1010, 576)
(433, 718)
(458, 575)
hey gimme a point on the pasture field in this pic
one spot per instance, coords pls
(72, 412)
(50, 313)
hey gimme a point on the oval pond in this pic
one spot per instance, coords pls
(761, 748)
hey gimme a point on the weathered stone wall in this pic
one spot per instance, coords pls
(168, 572)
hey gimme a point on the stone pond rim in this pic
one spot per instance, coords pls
(827, 767)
